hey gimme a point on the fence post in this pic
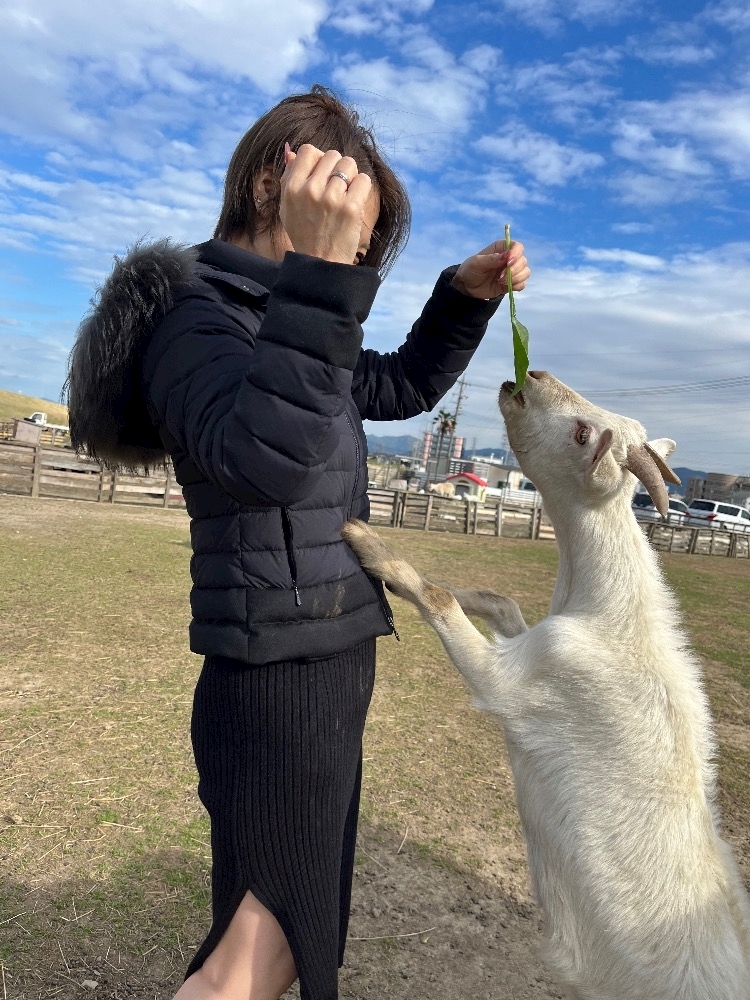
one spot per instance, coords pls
(475, 519)
(732, 547)
(37, 473)
(394, 512)
(467, 516)
(168, 485)
(499, 520)
(693, 543)
(536, 522)
(428, 512)
(100, 498)
(402, 514)
(113, 487)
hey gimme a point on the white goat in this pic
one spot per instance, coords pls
(605, 719)
(443, 489)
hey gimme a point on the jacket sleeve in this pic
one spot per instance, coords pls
(436, 352)
(259, 420)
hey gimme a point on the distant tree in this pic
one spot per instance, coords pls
(446, 424)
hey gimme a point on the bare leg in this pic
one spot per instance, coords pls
(251, 962)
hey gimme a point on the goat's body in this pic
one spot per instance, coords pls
(606, 721)
(640, 896)
(610, 741)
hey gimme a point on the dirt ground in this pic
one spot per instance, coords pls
(422, 926)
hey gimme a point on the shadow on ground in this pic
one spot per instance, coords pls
(419, 929)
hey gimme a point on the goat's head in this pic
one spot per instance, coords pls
(563, 441)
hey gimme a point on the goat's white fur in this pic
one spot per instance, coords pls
(606, 723)
(443, 489)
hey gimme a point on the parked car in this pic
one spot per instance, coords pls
(714, 514)
(644, 510)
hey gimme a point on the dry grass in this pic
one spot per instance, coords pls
(15, 405)
(104, 845)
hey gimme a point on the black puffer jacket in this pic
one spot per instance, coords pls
(250, 374)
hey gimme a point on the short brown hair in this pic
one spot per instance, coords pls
(321, 119)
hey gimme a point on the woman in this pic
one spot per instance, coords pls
(241, 359)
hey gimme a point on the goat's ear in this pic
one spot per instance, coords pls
(603, 445)
(660, 450)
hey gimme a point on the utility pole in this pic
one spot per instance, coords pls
(456, 412)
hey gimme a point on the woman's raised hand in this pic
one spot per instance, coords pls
(484, 276)
(322, 211)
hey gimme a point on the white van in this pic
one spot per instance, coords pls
(714, 514)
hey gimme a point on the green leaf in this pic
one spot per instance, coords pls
(520, 333)
(520, 353)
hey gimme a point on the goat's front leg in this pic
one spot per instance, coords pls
(473, 655)
(502, 614)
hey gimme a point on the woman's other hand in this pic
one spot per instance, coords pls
(484, 276)
(324, 214)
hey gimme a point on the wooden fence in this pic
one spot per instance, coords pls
(47, 435)
(429, 512)
(39, 471)
(719, 541)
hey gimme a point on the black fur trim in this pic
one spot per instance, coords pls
(108, 414)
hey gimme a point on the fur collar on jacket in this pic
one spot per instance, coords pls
(108, 414)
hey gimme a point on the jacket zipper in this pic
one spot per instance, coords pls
(356, 472)
(286, 524)
(386, 608)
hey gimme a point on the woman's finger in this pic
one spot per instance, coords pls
(301, 165)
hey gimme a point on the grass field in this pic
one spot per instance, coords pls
(105, 858)
(14, 405)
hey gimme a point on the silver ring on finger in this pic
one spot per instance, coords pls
(342, 175)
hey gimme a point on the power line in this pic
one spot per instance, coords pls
(735, 382)
(719, 383)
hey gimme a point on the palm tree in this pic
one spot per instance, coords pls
(446, 425)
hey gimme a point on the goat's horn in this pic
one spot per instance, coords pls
(642, 463)
(666, 472)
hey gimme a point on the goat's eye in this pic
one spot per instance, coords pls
(583, 432)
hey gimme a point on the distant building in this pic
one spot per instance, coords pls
(450, 448)
(496, 475)
(719, 486)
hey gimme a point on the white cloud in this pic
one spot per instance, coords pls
(632, 228)
(637, 142)
(676, 55)
(243, 38)
(639, 261)
(35, 365)
(570, 89)
(718, 122)
(542, 157)
(646, 191)
(640, 321)
(86, 222)
(421, 105)
(53, 58)
(730, 15)
(549, 16)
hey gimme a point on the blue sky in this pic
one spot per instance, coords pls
(614, 138)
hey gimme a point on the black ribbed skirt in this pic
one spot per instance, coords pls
(279, 755)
